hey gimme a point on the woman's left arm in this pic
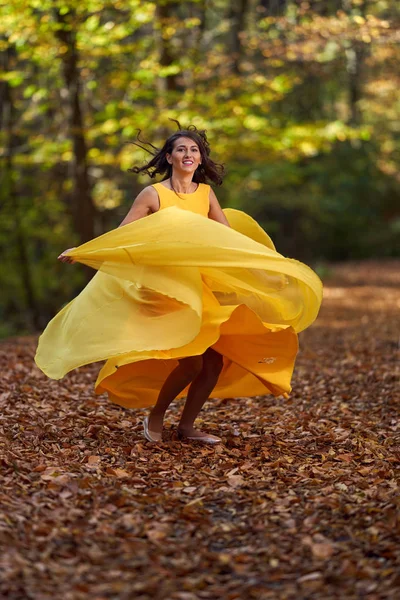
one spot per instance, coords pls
(216, 213)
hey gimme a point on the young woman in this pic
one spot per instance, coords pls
(190, 300)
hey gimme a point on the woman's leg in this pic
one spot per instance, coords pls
(187, 370)
(199, 391)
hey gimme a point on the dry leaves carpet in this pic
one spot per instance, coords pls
(300, 501)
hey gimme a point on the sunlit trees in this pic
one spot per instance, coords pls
(300, 100)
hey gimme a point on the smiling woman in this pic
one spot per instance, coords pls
(186, 165)
(191, 300)
(172, 155)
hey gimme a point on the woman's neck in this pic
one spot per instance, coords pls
(182, 184)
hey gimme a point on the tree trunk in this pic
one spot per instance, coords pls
(7, 119)
(273, 8)
(199, 10)
(164, 15)
(355, 63)
(202, 14)
(83, 208)
(238, 15)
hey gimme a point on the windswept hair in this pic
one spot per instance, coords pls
(208, 171)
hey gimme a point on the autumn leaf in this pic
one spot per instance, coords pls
(83, 493)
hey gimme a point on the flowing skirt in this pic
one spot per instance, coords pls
(173, 284)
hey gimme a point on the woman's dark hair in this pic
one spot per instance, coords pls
(207, 171)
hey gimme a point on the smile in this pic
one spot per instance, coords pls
(187, 162)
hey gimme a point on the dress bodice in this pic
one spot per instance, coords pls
(197, 201)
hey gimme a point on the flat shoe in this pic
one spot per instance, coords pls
(151, 436)
(207, 438)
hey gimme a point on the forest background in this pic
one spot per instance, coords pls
(299, 99)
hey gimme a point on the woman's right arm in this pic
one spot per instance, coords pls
(145, 203)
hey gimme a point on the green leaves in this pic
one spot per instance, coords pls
(313, 93)
(13, 78)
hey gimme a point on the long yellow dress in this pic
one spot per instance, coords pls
(173, 284)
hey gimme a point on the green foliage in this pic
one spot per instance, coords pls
(300, 103)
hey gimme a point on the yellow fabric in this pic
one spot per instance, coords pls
(197, 202)
(173, 284)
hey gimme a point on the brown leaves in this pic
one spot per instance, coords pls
(301, 499)
(235, 481)
(157, 532)
(321, 548)
(121, 473)
(94, 461)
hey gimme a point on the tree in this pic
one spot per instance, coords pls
(299, 100)
(83, 209)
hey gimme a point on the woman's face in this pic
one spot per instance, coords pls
(185, 156)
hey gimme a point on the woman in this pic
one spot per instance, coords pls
(191, 301)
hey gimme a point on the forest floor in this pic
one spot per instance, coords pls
(301, 501)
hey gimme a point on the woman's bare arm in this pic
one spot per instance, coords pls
(145, 203)
(216, 213)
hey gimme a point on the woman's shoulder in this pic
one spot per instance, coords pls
(150, 190)
(150, 187)
(148, 196)
(157, 187)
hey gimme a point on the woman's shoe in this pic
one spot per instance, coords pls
(207, 438)
(151, 436)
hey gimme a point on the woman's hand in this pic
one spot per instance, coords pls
(67, 259)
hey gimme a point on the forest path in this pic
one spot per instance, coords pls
(300, 501)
